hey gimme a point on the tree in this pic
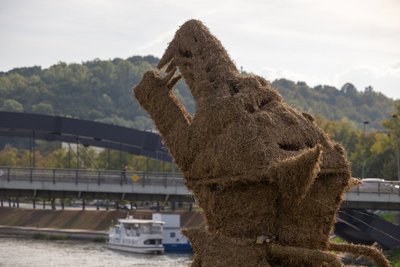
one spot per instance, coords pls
(8, 156)
(11, 105)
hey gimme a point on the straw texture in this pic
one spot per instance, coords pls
(256, 166)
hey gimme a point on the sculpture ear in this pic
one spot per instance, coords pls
(295, 176)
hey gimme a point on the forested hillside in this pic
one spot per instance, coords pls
(100, 90)
(334, 104)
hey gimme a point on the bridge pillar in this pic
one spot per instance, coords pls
(53, 204)
(17, 200)
(396, 218)
(34, 203)
(9, 202)
(173, 205)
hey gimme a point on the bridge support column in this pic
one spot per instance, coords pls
(9, 202)
(396, 218)
(53, 204)
(34, 203)
(173, 205)
(17, 200)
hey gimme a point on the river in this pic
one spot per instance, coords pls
(19, 252)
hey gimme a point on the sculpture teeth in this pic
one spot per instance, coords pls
(174, 81)
(165, 60)
(169, 75)
(171, 65)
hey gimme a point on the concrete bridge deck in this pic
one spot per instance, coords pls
(104, 184)
(59, 183)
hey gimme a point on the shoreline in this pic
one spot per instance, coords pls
(54, 234)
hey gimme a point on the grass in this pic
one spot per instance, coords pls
(387, 216)
(39, 236)
(337, 240)
(394, 258)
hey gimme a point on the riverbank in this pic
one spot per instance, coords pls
(74, 224)
(54, 234)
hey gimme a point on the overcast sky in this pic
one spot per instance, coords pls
(320, 42)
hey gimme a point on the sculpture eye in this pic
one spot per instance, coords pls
(264, 102)
(249, 108)
(185, 53)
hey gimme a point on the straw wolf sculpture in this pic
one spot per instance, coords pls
(267, 178)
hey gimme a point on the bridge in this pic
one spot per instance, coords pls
(105, 184)
(86, 133)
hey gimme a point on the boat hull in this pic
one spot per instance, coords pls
(178, 248)
(137, 249)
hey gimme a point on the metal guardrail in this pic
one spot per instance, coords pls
(79, 176)
(378, 187)
(99, 177)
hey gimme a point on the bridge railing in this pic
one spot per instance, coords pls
(144, 178)
(91, 176)
(378, 187)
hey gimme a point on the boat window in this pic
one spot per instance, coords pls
(172, 234)
(153, 242)
(156, 229)
(151, 229)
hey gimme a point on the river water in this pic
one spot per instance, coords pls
(19, 252)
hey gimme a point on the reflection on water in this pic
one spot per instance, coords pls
(18, 252)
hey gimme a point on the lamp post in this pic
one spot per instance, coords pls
(364, 159)
(396, 134)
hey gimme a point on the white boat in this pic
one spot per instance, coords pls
(136, 235)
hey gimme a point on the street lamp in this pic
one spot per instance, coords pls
(396, 134)
(364, 156)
